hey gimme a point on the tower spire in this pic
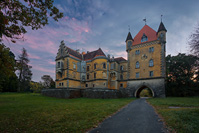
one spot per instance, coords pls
(161, 18)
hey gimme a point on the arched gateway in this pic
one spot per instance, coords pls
(139, 90)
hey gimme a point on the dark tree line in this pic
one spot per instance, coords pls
(182, 75)
(9, 81)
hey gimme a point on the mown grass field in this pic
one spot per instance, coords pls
(36, 113)
(184, 119)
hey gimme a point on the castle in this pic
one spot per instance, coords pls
(144, 67)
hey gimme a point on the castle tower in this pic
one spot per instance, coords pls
(146, 61)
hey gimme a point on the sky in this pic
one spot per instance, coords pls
(90, 24)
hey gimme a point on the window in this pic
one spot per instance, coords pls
(151, 49)
(87, 76)
(74, 66)
(74, 75)
(58, 65)
(121, 77)
(95, 66)
(137, 52)
(121, 68)
(86, 85)
(144, 38)
(112, 66)
(137, 75)
(59, 84)
(104, 65)
(87, 68)
(121, 85)
(104, 84)
(93, 85)
(94, 75)
(137, 64)
(151, 62)
(62, 84)
(151, 73)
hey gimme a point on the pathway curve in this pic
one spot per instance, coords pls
(136, 117)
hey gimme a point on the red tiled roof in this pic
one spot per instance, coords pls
(94, 54)
(119, 59)
(148, 31)
(74, 53)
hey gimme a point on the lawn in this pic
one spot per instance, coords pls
(21, 112)
(184, 119)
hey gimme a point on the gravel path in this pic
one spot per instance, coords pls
(136, 117)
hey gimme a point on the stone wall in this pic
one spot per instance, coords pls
(156, 85)
(87, 93)
(62, 93)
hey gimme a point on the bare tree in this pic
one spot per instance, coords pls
(194, 41)
(48, 81)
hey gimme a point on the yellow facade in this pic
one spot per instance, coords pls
(146, 60)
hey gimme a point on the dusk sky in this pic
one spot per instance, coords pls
(90, 24)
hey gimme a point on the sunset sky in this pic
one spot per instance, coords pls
(90, 24)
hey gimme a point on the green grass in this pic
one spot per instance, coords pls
(184, 119)
(21, 112)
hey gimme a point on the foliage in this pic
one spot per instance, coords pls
(24, 71)
(8, 79)
(15, 15)
(182, 120)
(36, 87)
(48, 81)
(181, 70)
(194, 42)
(35, 113)
(146, 93)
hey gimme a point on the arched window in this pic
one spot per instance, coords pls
(144, 38)
(94, 75)
(95, 66)
(104, 65)
(121, 77)
(121, 68)
(151, 62)
(137, 64)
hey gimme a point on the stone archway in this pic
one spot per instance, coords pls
(138, 91)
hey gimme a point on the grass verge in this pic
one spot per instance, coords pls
(184, 119)
(21, 112)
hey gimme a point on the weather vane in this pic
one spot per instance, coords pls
(144, 20)
(161, 18)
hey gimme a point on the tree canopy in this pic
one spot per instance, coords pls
(15, 15)
(181, 70)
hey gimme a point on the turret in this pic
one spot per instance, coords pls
(162, 33)
(129, 42)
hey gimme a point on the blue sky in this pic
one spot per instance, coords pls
(90, 24)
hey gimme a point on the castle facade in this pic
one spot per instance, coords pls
(144, 68)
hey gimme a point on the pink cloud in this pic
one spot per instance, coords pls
(38, 68)
(33, 56)
(51, 62)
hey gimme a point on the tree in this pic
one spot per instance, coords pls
(36, 87)
(24, 72)
(15, 15)
(8, 79)
(181, 70)
(48, 81)
(194, 42)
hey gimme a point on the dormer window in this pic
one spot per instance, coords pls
(144, 38)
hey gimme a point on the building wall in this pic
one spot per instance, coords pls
(143, 59)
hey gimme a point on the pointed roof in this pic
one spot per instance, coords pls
(161, 27)
(129, 37)
(148, 31)
(93, 54)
